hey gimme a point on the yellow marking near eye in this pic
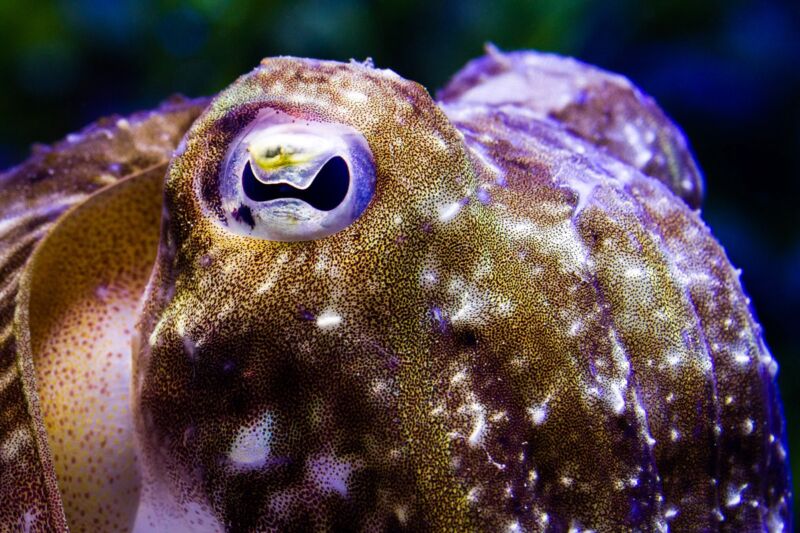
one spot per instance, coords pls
(275, 157)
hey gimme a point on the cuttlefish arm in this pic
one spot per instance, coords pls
(36, 195)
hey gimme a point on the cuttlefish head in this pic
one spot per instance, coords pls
(281, 355)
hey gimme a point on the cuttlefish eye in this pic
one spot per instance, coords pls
(287, 179)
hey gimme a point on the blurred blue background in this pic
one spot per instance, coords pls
(728, 71)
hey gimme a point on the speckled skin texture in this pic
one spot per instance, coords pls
(81, 315)
(33, 196)
(529, 328)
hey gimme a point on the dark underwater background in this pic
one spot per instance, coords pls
(728, 71)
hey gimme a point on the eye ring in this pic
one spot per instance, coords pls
(285, 179)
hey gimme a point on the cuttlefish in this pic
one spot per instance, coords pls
(323, 300)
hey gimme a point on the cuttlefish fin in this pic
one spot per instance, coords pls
(76, 312)
(596, 106)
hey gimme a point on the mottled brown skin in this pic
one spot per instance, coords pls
(528, 328)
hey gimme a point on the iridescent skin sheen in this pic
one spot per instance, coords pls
(527, 328)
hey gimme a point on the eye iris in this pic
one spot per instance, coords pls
(289, 180)
(277, 157)
(327, 190)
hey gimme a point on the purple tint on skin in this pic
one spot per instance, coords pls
(483, 196)
(635, 512)
(304, 313)
(439, 319)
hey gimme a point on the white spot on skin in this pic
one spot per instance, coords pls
(330, 474)
(437, 411)
(770, 364)
(576, 527)
(458, 377)
(748, 426)
(441, 144)
(190, 347)
(674, 435)
(156, 333)
(728, 400)
(483, 195)
(269, 282)
(14, 442)
(538, 414)
(11, 374)
(584, 190)
(781, 451)
(356, 96)
(401, 512)
(252, 445)
(328, 320)
(774, 520)
(636, 141)
(429, 278)
(449, 211)
(615, 397)
(734, 495)
(742, 359)
(498, 416)
(670, 513)
(633, 273)
(479, 427)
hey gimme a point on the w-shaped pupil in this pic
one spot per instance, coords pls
(326, 191)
